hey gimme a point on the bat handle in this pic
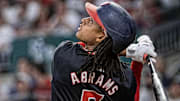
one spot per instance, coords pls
(157, 86)
(150, 64)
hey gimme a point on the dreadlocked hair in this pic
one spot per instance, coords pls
(104, 59)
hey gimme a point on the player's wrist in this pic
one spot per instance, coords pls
(122, 53)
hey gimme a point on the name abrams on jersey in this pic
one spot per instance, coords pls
(95, 78)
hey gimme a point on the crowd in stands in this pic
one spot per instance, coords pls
(25, 18)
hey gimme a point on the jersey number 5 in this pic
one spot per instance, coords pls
(90, 95)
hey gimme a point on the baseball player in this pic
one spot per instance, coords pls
(90, 70)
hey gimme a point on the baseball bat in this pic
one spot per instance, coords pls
(157, 85)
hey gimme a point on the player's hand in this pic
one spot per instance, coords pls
(144, 38)
(138, 50)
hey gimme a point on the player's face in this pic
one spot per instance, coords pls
(89, 31)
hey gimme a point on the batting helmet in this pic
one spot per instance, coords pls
(117, 22)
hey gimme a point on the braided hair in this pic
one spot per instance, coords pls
(104, 59)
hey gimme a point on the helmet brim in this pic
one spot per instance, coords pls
(92, 11)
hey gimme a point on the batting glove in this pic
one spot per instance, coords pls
(138, 50)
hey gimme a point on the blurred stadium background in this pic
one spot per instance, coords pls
(31, 29)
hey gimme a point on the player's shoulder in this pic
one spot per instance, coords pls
(63, 46)
(66, 46)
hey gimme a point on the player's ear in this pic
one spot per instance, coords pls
(101, 36)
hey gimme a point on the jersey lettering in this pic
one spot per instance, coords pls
(100, 80)
(91, 77)
(108, 84)
(113, 90)
(74, 78)
(88, 95)
(84, 77)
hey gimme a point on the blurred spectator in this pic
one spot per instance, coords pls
(21, 90)
(32, 10)
(161, 69)
(147, 14)
(32, 80)
(42, 90)
(41, 25)
(174, 89)
(47, 2)
(6, 84)
(76, 5)
(24, 66)
(65, 21)
(170, 3)
(7, 34)
(10, 12)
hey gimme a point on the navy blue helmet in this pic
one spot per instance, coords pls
(116, 21)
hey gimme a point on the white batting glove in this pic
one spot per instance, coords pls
(138, 50)
(144, 38)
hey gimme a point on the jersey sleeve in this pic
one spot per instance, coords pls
(137, 69)
(59, 51)
(63, 46)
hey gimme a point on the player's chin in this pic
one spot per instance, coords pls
(78, 35)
